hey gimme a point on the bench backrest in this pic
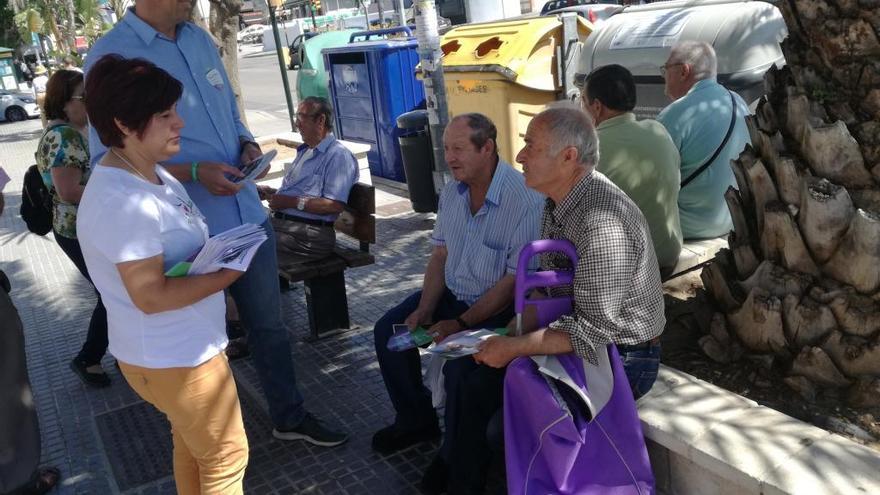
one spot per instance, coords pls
(359, 218)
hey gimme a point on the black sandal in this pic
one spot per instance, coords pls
(43, 480)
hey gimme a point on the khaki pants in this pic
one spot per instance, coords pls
(201, 403)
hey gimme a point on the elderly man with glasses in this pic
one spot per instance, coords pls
(315, 189)
(707, 124)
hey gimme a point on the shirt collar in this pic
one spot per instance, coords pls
(701, 84)
(143, 30)
(617, 120)
(573, 197)
(493, 195)
(325, 143)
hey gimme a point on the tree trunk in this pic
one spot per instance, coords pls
(806, 246)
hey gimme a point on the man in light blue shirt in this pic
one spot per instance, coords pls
(315, 188)
(697, 121)
(213, 143)
(485, 216)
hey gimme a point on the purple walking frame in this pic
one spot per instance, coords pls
(550, 448)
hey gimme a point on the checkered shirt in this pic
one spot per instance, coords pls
(618, 295)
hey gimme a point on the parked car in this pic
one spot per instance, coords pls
(593, 11)
(296, 47)
(251, 34)
(16, 106)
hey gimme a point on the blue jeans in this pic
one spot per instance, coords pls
(258, 298)
(402, 371)
(641, 367)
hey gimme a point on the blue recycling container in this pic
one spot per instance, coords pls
(373, 82)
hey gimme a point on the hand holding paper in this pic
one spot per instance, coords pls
(233, 249)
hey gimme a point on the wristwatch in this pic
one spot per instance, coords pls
(301, 203)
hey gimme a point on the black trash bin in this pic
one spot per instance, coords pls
(418, 160)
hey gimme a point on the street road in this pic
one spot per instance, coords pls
(264, 103)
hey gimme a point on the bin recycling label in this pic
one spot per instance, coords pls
(649, 30)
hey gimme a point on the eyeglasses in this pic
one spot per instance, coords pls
(301, 115)
(665, 67)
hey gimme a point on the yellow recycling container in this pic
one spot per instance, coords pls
(505, 70)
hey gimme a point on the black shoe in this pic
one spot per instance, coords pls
(91, 374)
(436, 478)
(311, 430)
(393, 438)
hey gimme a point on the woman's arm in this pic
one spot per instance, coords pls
(152, 292)
(67, 182)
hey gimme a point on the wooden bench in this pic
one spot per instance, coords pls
(324, 279)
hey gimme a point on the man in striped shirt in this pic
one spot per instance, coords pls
(485, 216)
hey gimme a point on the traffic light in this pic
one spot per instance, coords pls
(316, 6)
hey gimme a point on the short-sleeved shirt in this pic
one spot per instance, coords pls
(484, 247)
(697, 123)
(125, 218)
(640, 158)
(212, 125)
(62, 146)
(329, 171)
(618, 296)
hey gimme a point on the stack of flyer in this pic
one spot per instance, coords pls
(233, 249)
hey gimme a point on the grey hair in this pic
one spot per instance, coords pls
(699, 55)
(322, 107)
(569, 126)
(482, 129)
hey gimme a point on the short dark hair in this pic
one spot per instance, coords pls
(59, 90)
(129, 90)
(322, 107)
(482, 129)
(614, 86)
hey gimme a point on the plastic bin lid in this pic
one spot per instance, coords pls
(522, 50)
(745, 35)
(413, 120)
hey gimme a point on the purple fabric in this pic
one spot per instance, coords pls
(549, 451)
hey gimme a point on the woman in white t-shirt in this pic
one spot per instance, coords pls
(136, 221)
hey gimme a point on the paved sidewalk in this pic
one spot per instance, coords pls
(109, 441)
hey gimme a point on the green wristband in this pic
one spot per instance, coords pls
(194, 171)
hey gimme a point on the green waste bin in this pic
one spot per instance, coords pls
(418, 160)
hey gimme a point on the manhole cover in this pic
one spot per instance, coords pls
(137, 439)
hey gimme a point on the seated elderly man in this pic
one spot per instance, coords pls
(485, 216)
(617, 294)
(315, 189)
(707, 124)
(637, 156)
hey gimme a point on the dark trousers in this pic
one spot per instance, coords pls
(481, 398)
(95, 346)
(19, 429)
(402, 371)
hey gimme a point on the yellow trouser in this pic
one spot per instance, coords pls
(201, 403)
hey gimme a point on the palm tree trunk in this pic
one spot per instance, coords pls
(808, 207)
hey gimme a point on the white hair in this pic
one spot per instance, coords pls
(699, 55)
(569, 126)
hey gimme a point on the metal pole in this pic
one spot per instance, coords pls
(435, 89)
(402, 12)
(314, 23)
(284, 81)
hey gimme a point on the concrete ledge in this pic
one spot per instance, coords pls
(705, 440)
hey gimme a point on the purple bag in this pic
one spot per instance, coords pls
(569, 427)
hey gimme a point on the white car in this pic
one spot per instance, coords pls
(251, 34)
(17, 105)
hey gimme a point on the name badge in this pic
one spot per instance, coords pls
(214, 78)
